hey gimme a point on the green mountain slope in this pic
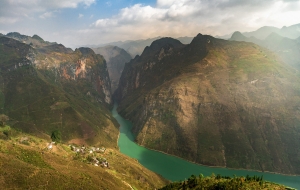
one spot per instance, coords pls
(214, 102)
(54, 88)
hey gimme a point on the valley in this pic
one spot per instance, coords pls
(228, 107)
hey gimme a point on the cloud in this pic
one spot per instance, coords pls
(80, 15)
(108, 3)
(189, 17)
(46, 15)
(173, 18)
(12, 11)
(7, 20)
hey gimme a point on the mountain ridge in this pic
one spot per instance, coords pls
(201, 100)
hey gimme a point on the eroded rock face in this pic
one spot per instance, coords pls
(83, 64)
(55, 88)
(214, 102)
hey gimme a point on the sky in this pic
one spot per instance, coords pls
(76, 23)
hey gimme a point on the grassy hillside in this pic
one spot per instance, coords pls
(27, 163)
(215, 102)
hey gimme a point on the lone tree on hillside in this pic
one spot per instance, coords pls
(3, 119)
(56, 136)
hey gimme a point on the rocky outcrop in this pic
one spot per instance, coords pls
(214, 102)
(73, 67)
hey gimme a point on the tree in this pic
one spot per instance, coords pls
(3, 119)
(56, 136)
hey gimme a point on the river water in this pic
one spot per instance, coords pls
(176, 169)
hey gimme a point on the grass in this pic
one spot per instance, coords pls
(34, 166)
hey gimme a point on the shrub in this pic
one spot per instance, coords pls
(56, 136)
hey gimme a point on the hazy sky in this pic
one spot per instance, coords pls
(80, 22)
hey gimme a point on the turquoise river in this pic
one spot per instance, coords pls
(175, 169)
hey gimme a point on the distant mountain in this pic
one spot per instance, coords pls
(35, 40)
(136, 47)
(292, 32)
(225, 37)
(115, 58)
(288, 49)
(214, 102)
(185, 40)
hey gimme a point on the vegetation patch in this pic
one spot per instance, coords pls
(223, 182)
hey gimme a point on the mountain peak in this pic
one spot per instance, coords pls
(85, 50)
(164, 41)
(238, 36)
(274, 36)
(157, 45)
(37, 38)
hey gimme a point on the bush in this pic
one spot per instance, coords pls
(56, 136)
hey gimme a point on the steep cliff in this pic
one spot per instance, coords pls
(55, 88)
(116, 58)
(214, 102)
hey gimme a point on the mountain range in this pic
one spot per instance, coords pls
(214, 102)
(288, 49)
(292, 32)
(230, 103)
(136, 47)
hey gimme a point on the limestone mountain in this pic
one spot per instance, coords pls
(55, 88)
(136, 47)
(50, 90)
(115, 58)
(35, 40)
(288, 49)
(292, 32)
(214, 102)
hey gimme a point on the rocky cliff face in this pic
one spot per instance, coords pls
(72, 67)
(116, 58)
(55, 88)
(214, 102)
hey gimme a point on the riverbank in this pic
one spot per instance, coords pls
(217, 166)
(175, 168)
